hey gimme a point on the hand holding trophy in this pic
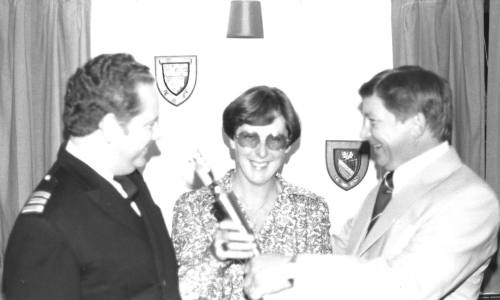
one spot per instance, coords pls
(234, 238)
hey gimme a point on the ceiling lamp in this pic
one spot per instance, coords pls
(245, 20)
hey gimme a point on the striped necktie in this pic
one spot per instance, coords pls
(384, 195)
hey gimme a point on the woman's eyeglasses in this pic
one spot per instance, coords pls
(252, 140)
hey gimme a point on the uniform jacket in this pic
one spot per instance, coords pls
(433, 241)
(78, 238)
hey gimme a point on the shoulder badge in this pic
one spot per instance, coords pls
(38, 199)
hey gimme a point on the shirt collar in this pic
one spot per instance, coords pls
(96, 164)
(404, 173)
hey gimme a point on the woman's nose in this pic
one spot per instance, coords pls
(261, 149)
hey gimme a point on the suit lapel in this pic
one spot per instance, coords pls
(403, 200)
(147, 207)
(360, 226)
(100, 191)
(399, 205)
(117, 208)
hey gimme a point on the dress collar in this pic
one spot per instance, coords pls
(226, 182)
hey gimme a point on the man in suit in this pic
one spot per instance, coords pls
(438, 231)
(91, 230)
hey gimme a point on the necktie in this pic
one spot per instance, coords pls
(131, 189)
(127, 185)
(383, 197)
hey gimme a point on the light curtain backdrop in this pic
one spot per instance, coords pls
(493, 100)
(493, 119)
(448, 38)
(41, 43)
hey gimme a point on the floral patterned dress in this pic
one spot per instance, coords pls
(297, 223)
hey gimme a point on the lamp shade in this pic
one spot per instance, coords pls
(245, 20)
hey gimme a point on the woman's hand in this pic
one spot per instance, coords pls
(231, 241)
(268, 274)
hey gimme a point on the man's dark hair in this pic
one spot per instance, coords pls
(409, 90)
(105, 84)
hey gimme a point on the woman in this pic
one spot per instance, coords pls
(261, 126)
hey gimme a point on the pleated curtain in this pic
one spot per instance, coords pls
(41, 43)
(447, 37)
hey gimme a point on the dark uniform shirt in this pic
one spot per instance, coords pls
(78, 238)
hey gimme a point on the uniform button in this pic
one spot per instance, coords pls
(164, 283)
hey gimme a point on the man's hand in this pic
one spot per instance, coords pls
(232, 242)
(268, 274)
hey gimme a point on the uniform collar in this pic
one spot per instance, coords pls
(95, 163)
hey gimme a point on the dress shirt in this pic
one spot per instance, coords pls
(404, 174)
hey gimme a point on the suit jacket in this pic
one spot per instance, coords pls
(433, 241)
(78, 238)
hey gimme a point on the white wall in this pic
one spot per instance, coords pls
(317, 51)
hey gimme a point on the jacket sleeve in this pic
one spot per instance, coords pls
(451, 242)
(38, 262)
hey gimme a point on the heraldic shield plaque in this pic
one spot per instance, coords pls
(347, 162)
(175, 77)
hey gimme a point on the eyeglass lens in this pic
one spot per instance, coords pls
(252, 140)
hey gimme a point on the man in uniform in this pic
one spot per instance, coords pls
(429, 228)
(91, 230)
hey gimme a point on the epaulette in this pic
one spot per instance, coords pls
(39, 198)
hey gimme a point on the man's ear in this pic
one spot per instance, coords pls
(110, 127)
(419, 124)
